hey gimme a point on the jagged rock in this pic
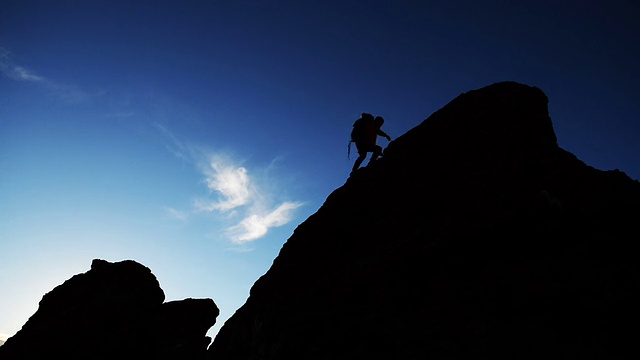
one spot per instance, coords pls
(113, 311)
(185, 324)
(475, 236)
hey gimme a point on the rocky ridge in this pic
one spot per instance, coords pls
(113, 311)
(475, 236)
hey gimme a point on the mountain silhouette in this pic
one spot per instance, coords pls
(475, 236)
(113, 311)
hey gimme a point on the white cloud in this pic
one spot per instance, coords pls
(234, 192)
(256, 226)
(232, 184)
(240, 195)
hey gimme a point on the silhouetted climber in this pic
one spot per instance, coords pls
(365, 134)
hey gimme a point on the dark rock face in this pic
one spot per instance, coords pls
(184, 327)
(113, 311)
(475, 237)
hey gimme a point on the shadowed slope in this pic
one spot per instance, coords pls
(475, 236)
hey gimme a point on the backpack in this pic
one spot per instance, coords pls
(356, 132)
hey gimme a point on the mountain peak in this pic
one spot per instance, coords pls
(475, 236)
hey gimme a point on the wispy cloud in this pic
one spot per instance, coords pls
(16, 72)
(230, 182)
(175, 214)
(73, 94)
(173, 145)
(240, 196)
(22, 74)
(245, 199)
(67, 93)
(255, 226)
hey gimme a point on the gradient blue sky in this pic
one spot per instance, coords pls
(194, 136)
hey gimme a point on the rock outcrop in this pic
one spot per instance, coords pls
(184, 325)
(113, 311)
(475, 237)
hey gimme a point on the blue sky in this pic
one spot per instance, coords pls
(194, 136)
